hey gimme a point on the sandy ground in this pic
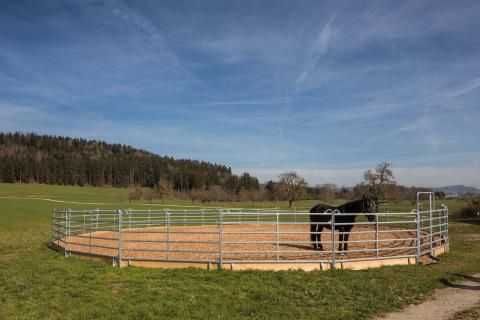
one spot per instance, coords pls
(444, 304)
(252, 242)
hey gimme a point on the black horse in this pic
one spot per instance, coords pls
(321, 215)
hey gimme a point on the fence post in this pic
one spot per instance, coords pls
(431, 223)
(66, 232)
(120, 242)
(376, 235)
(167, 222)
(447, 241)
(439, 225)
(419, 242)
(90, 222)
(52, 229)
(220, 239)
(165, 219)
(333, 239)
(97, 216)
(277, 230)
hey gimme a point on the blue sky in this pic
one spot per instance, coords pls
(325, 88)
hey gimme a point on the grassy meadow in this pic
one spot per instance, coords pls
(38, 283)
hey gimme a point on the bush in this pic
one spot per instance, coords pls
(134, 194)
(147, 194)
(472, 210)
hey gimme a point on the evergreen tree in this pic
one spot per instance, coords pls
(70, 161)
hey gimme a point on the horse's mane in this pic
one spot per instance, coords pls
(350, 204)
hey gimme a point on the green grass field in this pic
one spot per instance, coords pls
(38, 283)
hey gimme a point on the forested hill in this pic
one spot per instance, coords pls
(69, 161)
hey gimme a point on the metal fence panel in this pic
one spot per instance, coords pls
(242, 236)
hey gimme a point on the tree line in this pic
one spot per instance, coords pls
(291, 187)
(33, 158)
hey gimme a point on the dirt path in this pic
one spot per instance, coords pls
(444, 304)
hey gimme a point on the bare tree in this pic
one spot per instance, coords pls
(164, 189)
(216, 193)
(379, 179)
(270, 191)
(197, 195)
(292, 186)
(134, 194)
(327, 192)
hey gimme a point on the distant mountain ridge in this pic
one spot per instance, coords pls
(459, 189)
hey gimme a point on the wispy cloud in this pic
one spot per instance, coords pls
(13, 115)
(266, 85)
(269, 101)
(319, 48)
(464, 89)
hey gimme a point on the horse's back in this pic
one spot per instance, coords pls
(320, 208)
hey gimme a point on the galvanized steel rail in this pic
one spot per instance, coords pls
(244, 236)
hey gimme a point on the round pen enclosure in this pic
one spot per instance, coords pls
(252, 239)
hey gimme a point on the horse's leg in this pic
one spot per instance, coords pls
(340, 239)
(347, 235)
(313, 239)
(345, 245)
(314, 235)
(319, 237)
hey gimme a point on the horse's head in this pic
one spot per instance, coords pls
(370, 205)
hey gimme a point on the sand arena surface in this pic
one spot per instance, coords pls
(241, 242)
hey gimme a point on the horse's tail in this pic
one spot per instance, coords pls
(313, 210)
(310, 216)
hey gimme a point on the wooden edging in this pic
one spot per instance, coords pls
(282, 266)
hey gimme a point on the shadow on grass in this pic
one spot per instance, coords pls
(467, 277)
(467, 285)
(474, 221)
